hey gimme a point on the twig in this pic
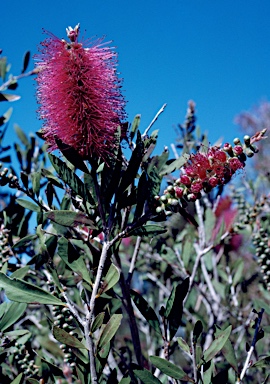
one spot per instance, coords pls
(255, 338)
(154, 119)
(133, 260)
(13, 79)
(90, 313)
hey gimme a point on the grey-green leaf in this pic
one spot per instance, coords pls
(216, 345)
(69, 255)
(169, 368)
(18, 379)
(13, 313)
(228, 352)
(65, 338)
(111, 278)
(69, 218)
(147, 230)
(98, 321)
(28, 205)
(23, 292)
(146, 377)
(109, 330)
(146, 310)
(173, 166)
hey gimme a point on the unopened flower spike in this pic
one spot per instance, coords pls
(73, 33)
(79, 94)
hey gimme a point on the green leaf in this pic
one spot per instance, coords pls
(125, 380)
(18, 379)
(71, 155)
(69, 177)
(238, 268)
(111, 278)
(146, 377)
(134, 126)
(228, 352)
(133, 165)
(147, 230)
(174, 165)
(21, 135)
(216, 345)
(198, 328)
(208, 373)
(183, 345)
(110, 176)
(142, 194)
(28, 205)
(20, 273)
(32, 381)
(146, 310)
(9, 97)
(23, 292)
(50, 176)
(169, 368)
(24, 240)
(174, 306)
(65, 338)
(26, 60)
(69, 254)
(187, 249)
(262, 363)
(13, 313)
(154, 182)
(98, 321)
(6, 116)
(3, 67)
(109, 330)
(35, 177)
(69, 218)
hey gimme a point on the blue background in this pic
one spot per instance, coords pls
(214, 52)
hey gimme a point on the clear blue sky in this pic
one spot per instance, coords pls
(214, 52)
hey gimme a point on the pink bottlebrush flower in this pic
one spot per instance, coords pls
(79, 94)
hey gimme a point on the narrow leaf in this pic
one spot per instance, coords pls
(228, 352)
(146, 310)
(24, 240)
(69, 218)
(23, 292)
(169, 368)
(262, 363)
(26, 60)
(69, 254)
(111, 278)
(98, 321)
(13, 313)
(174, 306)
(183, 345)
(18, 379)
(216, 345)
(147, 230)
(69, 177)
(146, 377)
(109, 330)
(173, 166)
(9, 97)
(134, 126)
(21, 135)
(65, 338)
(133, 165)
(28, 205)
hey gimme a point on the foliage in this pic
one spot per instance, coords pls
(124, 279)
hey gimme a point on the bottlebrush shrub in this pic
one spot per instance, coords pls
(120, 282)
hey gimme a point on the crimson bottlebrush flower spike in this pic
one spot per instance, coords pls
(79, 94)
